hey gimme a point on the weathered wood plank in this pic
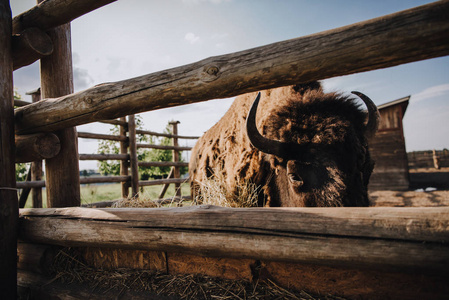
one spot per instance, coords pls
(104, 156)
(133, 160)
(36, 147)
(103, 179)
(124, 164)
(62, 171)
(52, 13)
(370, 45)
(99, 136)
(8, 193)
(177, 148)
(29, 46)
(138, 131)
(388, 238)
(30, 184)
(163, 181)
(162, 164)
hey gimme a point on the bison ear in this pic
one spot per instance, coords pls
(373, 115)
(301, 88)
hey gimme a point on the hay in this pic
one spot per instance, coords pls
(214, 191)
(134, 202)
(69, 267)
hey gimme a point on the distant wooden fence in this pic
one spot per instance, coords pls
(128, 153)
(428, 159)
(335, 238)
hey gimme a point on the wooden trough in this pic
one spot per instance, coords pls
(352, 252)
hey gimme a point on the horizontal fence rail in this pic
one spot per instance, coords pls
(162, 181)
(163, 147)
(370, 45)
(98, 136)
(162, 164)
(166, 135)
(104, 156)
(389, 238)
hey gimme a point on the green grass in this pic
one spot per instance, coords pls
(91, 193)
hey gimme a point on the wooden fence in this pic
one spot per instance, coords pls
(326, 238)
(128, 153)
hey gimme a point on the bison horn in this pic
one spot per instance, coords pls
(373, 115)
(258, 140)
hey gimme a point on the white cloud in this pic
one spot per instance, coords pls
(191, 38)
(432, 92)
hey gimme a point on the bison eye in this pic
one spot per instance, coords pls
(295, 179)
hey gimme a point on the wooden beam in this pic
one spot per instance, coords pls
(8, 193)
(62, 171)
(29, 46)
(52, 13)
(166, 135)
(165, 187)
(175, 153)
(177, 148)
(370, 45)
(98, 136)
(103, 179)
(104, 156)
(114, 122)
(163, 181)
(30, 184)
(162, 164)
(133, 160)
(25, 192)
(20, 103)
(384, 238)
(124, 164)
(36, 147)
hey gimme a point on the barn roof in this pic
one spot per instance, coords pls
(402, 101)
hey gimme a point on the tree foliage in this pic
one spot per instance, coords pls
(148, 155)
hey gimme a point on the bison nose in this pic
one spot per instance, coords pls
(295, 179)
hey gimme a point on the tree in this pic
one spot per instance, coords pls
(145, 173)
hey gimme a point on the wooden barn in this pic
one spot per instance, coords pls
(388, 148)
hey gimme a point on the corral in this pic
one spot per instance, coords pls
(352, 252)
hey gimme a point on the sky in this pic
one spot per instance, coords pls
(129, 38)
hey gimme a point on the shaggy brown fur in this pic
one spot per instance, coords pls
(335, 167)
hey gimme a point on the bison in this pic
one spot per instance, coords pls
(306, 148)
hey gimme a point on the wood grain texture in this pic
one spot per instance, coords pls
(62, 171)
(8, 194)
(133, 159)
(370, 45)
(29, 46)
(98, 136)
(51, 13)
(36, 147)
(389, 238)
(104, 156)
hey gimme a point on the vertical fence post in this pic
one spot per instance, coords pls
(36, 166)
(9, 210)
(124, 164)
(176, 171)
(133, 156)
(62, 171)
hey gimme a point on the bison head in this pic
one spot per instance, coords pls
(316, 151)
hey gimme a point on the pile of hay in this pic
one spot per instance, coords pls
(214, 191)
(134, 202)
(69, 267)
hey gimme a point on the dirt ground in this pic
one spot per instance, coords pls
(428, 187)
(409, 198)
